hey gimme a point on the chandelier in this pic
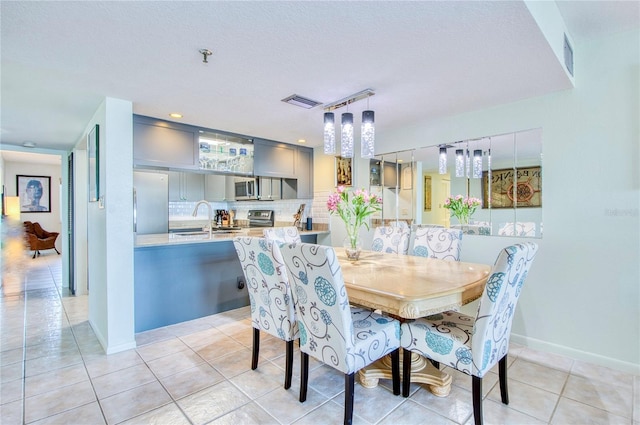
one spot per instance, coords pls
(367, 129)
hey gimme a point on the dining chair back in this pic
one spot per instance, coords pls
(270, 297)
(437, 242)
(473, 345)
(391, 239)
(343, 337)
(286, 234)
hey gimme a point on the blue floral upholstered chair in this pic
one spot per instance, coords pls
(287, 234)
(473, 345)
(343, 337)
(270, 296)
(437, 242)
(391, 239)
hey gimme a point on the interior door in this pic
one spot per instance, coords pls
(71, 220)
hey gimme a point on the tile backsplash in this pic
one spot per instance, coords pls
(283, 209)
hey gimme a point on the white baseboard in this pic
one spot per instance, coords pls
(111, 349)
(536, 344)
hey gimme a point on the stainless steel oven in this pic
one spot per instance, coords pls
(261, 218)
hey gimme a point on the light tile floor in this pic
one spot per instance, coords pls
(53, 371)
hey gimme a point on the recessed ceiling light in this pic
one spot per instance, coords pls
(302, 141)
(29, 144)
(175, 115)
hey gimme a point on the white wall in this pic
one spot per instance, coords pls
(49, 221)
(582, 297)
(110, 230)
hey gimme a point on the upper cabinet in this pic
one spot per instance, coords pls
(274, 159)
(185, 186)
(293, 163)
(304, 173)
(162, 144)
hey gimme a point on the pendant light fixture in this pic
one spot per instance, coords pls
(477, 163)
(346, 142)
(467, 162)
(442, 161)
(367, 148)
(459, 162)
(368, 134)
(329, 134)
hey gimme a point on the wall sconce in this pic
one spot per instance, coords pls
(442, 161)
(346, 142)
(329, 134)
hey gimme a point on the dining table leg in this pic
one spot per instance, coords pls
(422, 371)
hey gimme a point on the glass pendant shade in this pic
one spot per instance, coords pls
(477, 164)
(442, 161)
(368, 134)
(467, 164)
(346, 143)
(329, 134)
(459, 163)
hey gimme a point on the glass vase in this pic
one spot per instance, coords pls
(352, 247)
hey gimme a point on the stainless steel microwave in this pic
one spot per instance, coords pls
(245, 188)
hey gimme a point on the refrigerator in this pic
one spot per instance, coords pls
(150, 202)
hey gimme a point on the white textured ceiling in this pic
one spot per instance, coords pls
(423, 60)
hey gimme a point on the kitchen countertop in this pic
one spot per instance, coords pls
(165, 239)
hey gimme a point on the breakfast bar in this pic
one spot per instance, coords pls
(180, 277)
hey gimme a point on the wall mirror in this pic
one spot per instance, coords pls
(503, 171)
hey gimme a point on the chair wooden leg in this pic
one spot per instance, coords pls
(304, 376)
(406, 372)
(476, 394)
(395, 371)
(256, 349)
(289, 365)
(502, 373)
(34, 254)
(348, 397)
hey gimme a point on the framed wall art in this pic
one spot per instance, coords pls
(34, 193)
(427, 193)
(526, 181)
(93, 154)
(344, 171)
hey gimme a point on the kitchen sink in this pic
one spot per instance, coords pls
(189, 235)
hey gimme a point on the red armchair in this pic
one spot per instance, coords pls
(37, 238)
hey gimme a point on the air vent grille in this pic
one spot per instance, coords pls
(301, 101)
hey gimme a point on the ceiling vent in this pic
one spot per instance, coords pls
(303, 102)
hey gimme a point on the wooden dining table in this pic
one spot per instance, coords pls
(408, 287)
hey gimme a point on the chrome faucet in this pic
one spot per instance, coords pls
(209, 210)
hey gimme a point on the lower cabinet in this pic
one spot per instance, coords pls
(184, 282)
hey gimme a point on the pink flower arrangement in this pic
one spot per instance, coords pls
(353, 208)
(462, 207)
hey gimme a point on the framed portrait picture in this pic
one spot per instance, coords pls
(427, 193)
(34, 193)
(93, 154)
(344, 171)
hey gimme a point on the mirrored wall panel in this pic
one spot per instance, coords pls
(486, 186)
